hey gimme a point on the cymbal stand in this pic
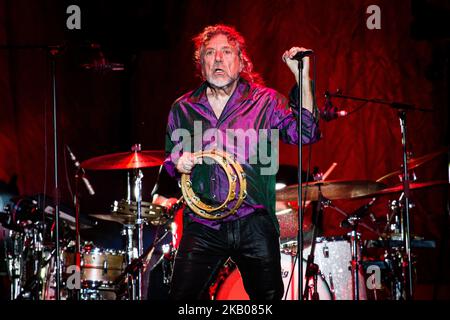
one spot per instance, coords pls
(395, 257)
(138, 176)
(128, 233)
(139, 228)
(354, 221)
(312, 269)
(354, 242)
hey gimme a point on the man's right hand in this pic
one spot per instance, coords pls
(186, 162)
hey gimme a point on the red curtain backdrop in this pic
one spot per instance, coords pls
(106, 112)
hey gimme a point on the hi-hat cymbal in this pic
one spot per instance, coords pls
(126, 213)
(333, 190)
(125, 160)
(415, 162)
(412, 186)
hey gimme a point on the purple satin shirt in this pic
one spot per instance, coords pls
(251, 123)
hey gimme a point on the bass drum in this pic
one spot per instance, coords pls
(231, 287)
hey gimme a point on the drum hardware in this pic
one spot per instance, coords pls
(80, 175)
(34, 287)
(399, 188)
(125, 213)
(351, 221)
(125, 210)
(137, 264)
(394, 236)
(332, 190)
(402, 109)
(416, 242)
(312, 269)
(28, 226)
(355, 237)
(414, 163)
(134, 161)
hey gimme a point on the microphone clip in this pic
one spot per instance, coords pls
(329, 111)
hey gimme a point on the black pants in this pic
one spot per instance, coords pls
(252, 243)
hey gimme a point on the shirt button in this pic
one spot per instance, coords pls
(214, 196)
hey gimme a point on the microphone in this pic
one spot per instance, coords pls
(300, 55)
(330, 112)
(358, 213)
(83, 177)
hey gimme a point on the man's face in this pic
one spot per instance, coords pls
(221, 64)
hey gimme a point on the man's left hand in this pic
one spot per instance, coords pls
(293, 64)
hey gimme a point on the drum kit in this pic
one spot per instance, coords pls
(348, 266)
(335, 268)
(87, 272)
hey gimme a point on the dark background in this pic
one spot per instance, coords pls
(103, 112)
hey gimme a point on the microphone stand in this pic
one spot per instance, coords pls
(406, 221)
(300, 202)
(402, 108)
(53, 53)
(79, 175)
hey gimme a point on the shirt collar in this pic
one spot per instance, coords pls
(241, 92)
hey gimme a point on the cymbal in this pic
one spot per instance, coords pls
(415, 162)
(115, 217)
(126, 213)
(333, 190)
(412, 186)
(125, 160)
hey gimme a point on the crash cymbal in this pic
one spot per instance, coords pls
(415, 162)
(412, 186)
(125, 160)
(333, 190)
